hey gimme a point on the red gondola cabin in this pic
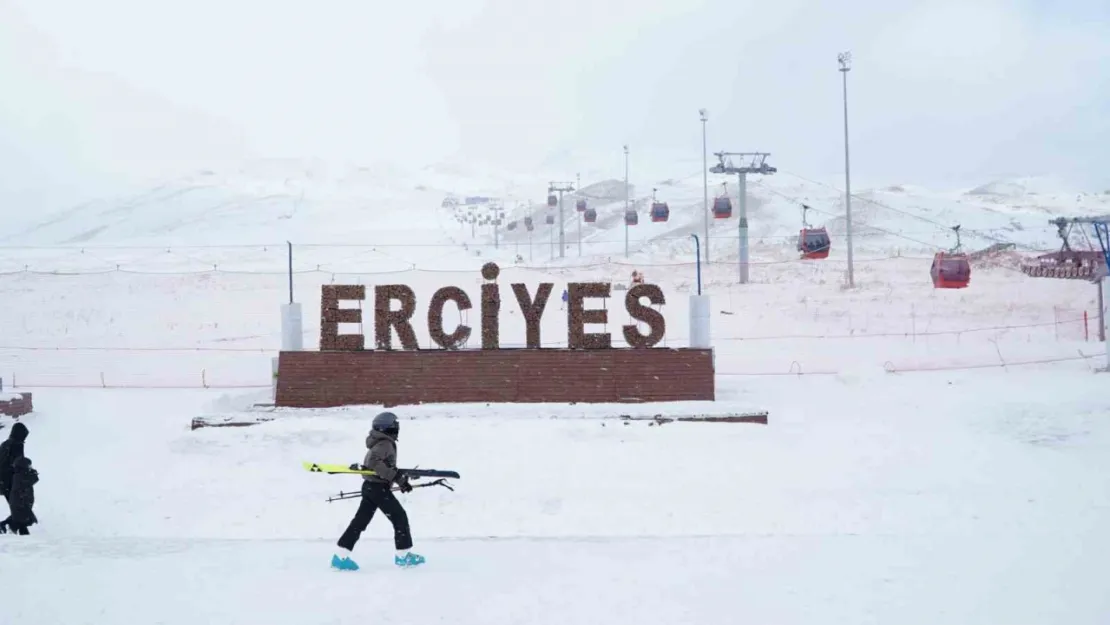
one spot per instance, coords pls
(580, 206)
(722, 208)
(590, 215)
(814, 243)
(950, 271)
(660, 211)
(631, 218)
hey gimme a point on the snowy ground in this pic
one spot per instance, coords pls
(943, 458)
(922, 499)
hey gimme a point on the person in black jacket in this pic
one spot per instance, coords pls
(21, 498)
(10, 451)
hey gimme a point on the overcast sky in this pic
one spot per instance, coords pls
(943, 93)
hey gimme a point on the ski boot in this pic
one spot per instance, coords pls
(407, 559)
(345, 563)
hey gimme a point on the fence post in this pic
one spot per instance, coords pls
(1086, 328)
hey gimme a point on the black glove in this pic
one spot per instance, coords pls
(403, 482)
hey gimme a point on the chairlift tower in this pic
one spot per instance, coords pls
(1102, 233)
(564, 187)
(750, 163)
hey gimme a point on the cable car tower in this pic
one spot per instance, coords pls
(750, 163)
(1101, 274)
(562, 187)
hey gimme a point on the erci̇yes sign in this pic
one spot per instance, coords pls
(386, 319)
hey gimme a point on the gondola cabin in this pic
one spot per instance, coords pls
(814, 243)
(528, 224)
(550, 219)
(660, 211)
(590, 215)
(511, 226)
(950, 271)
(580, 206)
(722, 208)
(631, 218)
(552, 200)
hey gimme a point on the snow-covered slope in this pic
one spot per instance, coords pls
(311, 202)
(932, 455)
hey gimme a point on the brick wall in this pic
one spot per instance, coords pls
(309, 379)
(16, 406)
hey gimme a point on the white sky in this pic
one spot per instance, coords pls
(942, 92)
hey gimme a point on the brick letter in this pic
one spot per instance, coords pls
(578, 316)
(533, 310)
(331, 315)
(386, 319)
(491, 307)
(656, 323)
(456, 339)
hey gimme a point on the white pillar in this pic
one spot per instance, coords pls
(273, 379)
(292, 328)
(699, 321)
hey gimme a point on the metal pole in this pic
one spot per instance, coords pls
(697, 254)
(626, 201)
(1102, 323)
(743, 228)
(562, 241)
(1101, 315)
(845, 60)
(705, 179)
(579, 231)
(577, 187)
(290, 271)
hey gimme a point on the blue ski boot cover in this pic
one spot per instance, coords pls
(344, 563)
(407, 559)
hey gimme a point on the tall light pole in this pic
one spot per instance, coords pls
(845, 60)
(757, 165)
(626, 200)
(705, 179)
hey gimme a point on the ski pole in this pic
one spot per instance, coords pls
(440, 482)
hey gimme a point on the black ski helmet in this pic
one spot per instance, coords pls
(387, 423)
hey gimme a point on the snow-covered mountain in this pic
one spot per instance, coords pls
(313, 202)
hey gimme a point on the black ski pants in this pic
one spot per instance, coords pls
(378, 496)
(7, 523)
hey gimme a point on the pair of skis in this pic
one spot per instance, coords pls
(355, 469)
(334, 469)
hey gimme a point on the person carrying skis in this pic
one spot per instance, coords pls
(381, 458)
(21, 498)
(10, 451)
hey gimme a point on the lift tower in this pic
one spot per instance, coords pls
(750, 163)
(563, 187)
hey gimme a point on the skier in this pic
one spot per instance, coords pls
(381, 458)
(10, 451)
(21, 498)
